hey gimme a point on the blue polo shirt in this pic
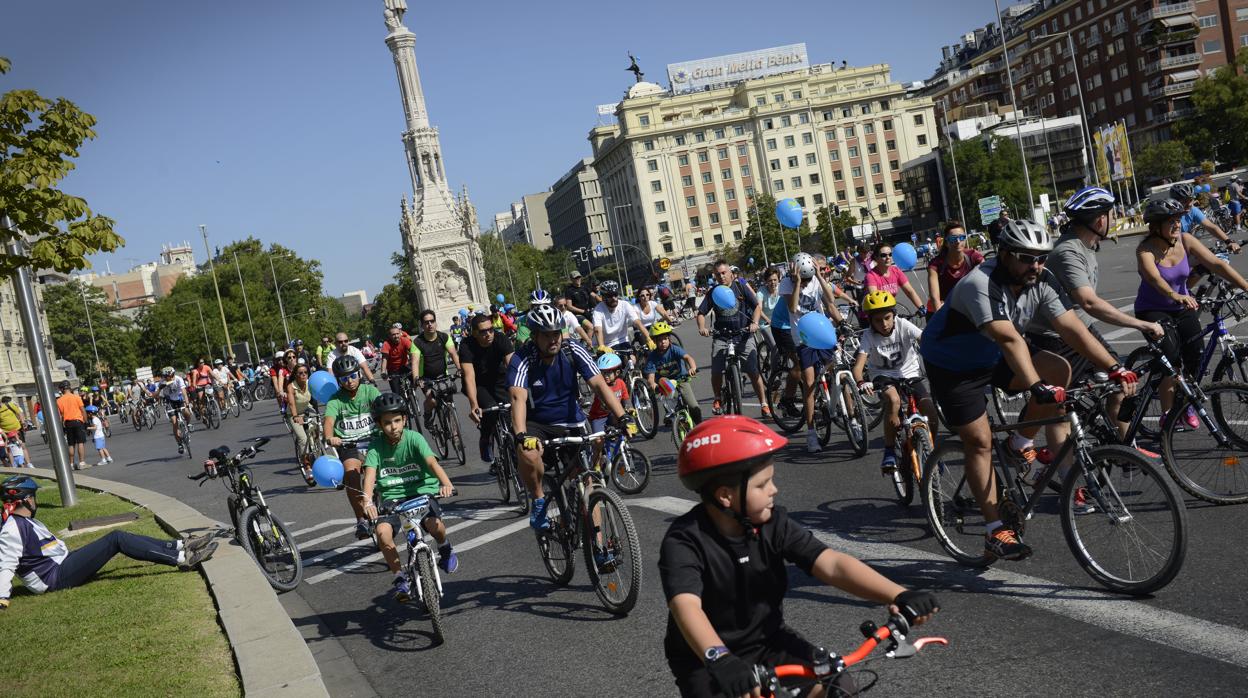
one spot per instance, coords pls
(1192, 218)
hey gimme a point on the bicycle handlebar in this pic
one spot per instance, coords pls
(576, 440)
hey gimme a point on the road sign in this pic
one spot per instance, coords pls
(989, 209)
(665, 263)
(628, 290)
(598, 248)
(989, 202)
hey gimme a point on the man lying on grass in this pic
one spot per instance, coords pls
(29, 550)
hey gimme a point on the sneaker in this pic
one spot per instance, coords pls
(717, 408)
(855, 427)
(447, 559)
(361, 531)
(812, 442)
(194, 558)
(1192, 419)
(1003, 543)
(537, 516)
(791, 409)
(889, 465)
(1083, 502)
(766, 412)
(493, 468)
(605, 561)
(192, 543)
(402, 591)
(1023, 460)
(1145, 452)
(103, 462)
(180, 450)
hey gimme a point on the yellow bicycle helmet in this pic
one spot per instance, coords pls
(879, 300)
(660, 328)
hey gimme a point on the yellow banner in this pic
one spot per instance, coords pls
(1113, 163)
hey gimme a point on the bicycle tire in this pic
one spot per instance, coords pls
(235, 408)
(764, 353)
(137, 421)
(618, 532)
(244, 399)
(789, 423)
(646, 406)
(1150, 567)
(950, 507)
(630, 469)
(274, 545)
(430, 596)
(1141, 362)
(186, 437)
(1007, 408)
(732, 390)
(682, 424)
(455, 437)
(855, 421)
(501, 475)
(212, 414)
(825, 415)
(441, 442)
(910, 466)
(1201, 465)
(555, 544)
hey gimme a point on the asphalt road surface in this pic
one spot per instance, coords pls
(1039, 627)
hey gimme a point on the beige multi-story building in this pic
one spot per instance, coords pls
(679, 169)
(17, 376)
(575, 209)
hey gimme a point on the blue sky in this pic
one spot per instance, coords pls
(282, 119)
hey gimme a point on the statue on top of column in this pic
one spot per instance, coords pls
(394, 13)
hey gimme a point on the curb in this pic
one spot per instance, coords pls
(272, 657)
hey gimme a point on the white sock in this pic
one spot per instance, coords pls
(181, 556)
(992, 526)
(1020, 442)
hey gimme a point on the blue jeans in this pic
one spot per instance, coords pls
(82, 564)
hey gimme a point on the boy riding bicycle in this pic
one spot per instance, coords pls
(400, 463)
(723, 569)
(890, 346)
(669, 361)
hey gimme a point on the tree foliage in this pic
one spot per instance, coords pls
(170, 332)
(1164, 160)
(397, 301)
(67, 307)
(989, 166)
(528, 265)
(38, 139)
(1218, 129)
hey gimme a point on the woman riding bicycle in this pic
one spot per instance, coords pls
(812, 294)
(886, 276)
(1165, 260)
(955, 261)
(299, 397)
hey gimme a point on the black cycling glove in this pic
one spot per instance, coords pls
(914, 604)
(1046, 394)
(732, 675)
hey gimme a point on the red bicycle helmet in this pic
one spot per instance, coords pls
(724, 445)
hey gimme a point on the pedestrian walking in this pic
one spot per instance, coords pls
(74, 421)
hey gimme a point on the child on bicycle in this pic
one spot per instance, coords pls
(890, 347)
(669, 361)
(722, 565)
(400, 466)
(610, 364)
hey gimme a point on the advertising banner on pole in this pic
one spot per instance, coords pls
(1112, 162)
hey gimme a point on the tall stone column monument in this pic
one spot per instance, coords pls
(439, 228)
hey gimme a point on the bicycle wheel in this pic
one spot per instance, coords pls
(436, 424)
(764, 354)
(682, 424)
(244, 399)
(855, 420)
(1135, 540)
(612, 551)
(1148, 433)
(273, 548)
(910, 465)
(1210, 468)
(212, 414)
(825, 415)
(235, 408)
(185, 429)
(647, 407)
(556, 543)
(501, 474)
(1006, 408)
(429, 593)
(951, 509)
(732, 390)
(630, 469)
(454, 439)
(137, 420)
(787, 414)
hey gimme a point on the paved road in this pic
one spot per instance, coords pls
(1012, 628)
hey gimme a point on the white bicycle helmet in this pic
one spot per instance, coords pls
(1089, 201)
(805, 265)
(544, 318)
(539, 297)
(1024, 236)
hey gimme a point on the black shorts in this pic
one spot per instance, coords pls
(549, 431)
(784, 341)
(353, 450)
(75, 432)
(1080, 366)
(917, 388)
(962, 395)
(783, 647)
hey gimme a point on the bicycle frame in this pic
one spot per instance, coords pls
(410, 514)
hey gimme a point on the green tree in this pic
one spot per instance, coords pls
(71, 334)
(1218, 129)
(772, 242)
(834, 229)
(38, 138)
(989, 166)
(1164, 160)
(520, 266)
(397, 301)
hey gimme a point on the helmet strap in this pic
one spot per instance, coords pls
(751, 531)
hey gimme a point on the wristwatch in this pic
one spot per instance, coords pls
(714, 653)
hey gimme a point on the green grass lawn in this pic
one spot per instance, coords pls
(137, 629)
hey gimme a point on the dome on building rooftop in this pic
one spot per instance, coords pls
(645, 89)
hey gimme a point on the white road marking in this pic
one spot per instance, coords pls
(323, 524)
(1108, 611)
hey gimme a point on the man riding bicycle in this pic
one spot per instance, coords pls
(430, 350)
(397, 351)
(976, 340)
(613, 318)
(483, 358)
(741, 321)
(542, 381)
(173, 392)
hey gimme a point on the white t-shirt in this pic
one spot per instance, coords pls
(809, 301)
(15, 451)
(351, 351)
(896, 355)
(569, 323)
(98, 428)
(615, 324)
(221, 375)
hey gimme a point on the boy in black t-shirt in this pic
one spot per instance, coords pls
(722, 565)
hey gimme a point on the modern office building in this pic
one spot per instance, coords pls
(576, 210)
(526, 221)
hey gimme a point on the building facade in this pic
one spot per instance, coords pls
(526, 221)
(17, 376)
(575, 209)
(679, 170)
(1130, 60)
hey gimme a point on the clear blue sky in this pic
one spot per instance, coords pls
(282, 119)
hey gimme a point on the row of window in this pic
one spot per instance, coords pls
(698, 242)
(770, 123)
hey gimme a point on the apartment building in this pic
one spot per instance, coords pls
(576, 210)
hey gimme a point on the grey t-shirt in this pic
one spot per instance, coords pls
(1075, 266)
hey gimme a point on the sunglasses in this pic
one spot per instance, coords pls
(885, 255)
(349, 377)
(342, 341)
(957, 238)
(428, 322)
(1030, 259)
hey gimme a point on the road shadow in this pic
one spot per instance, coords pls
(385, 623)
(526, 595)
(869, 520)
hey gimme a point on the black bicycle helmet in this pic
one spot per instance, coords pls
(345, 365)
(388, 403)
(609, 288)
(1182, 192)
(17, 488)
(1162, 210)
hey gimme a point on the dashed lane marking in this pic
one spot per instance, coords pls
(1108, 611)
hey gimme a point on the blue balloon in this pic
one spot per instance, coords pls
(322, 386)
(789, 213)
(751, 261)
(817, 331)
(500, 298)
(463, 312)
(327, 471)
(723, 298)
(904, 256)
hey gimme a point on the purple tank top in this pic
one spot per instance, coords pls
(1149, 298)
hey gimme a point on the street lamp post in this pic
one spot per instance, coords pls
(254, 344)
(611, 238)
(82, 288)
(200, 308)
(281, 309)
(1018, 128)
(953, 158)
(203, 229)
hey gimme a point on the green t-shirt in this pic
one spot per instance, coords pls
(523, 332)
(402, 471)
(353, 417)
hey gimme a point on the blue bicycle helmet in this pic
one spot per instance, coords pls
(1089, 202)
(540, 297)
(17, 488)
(609, 362)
